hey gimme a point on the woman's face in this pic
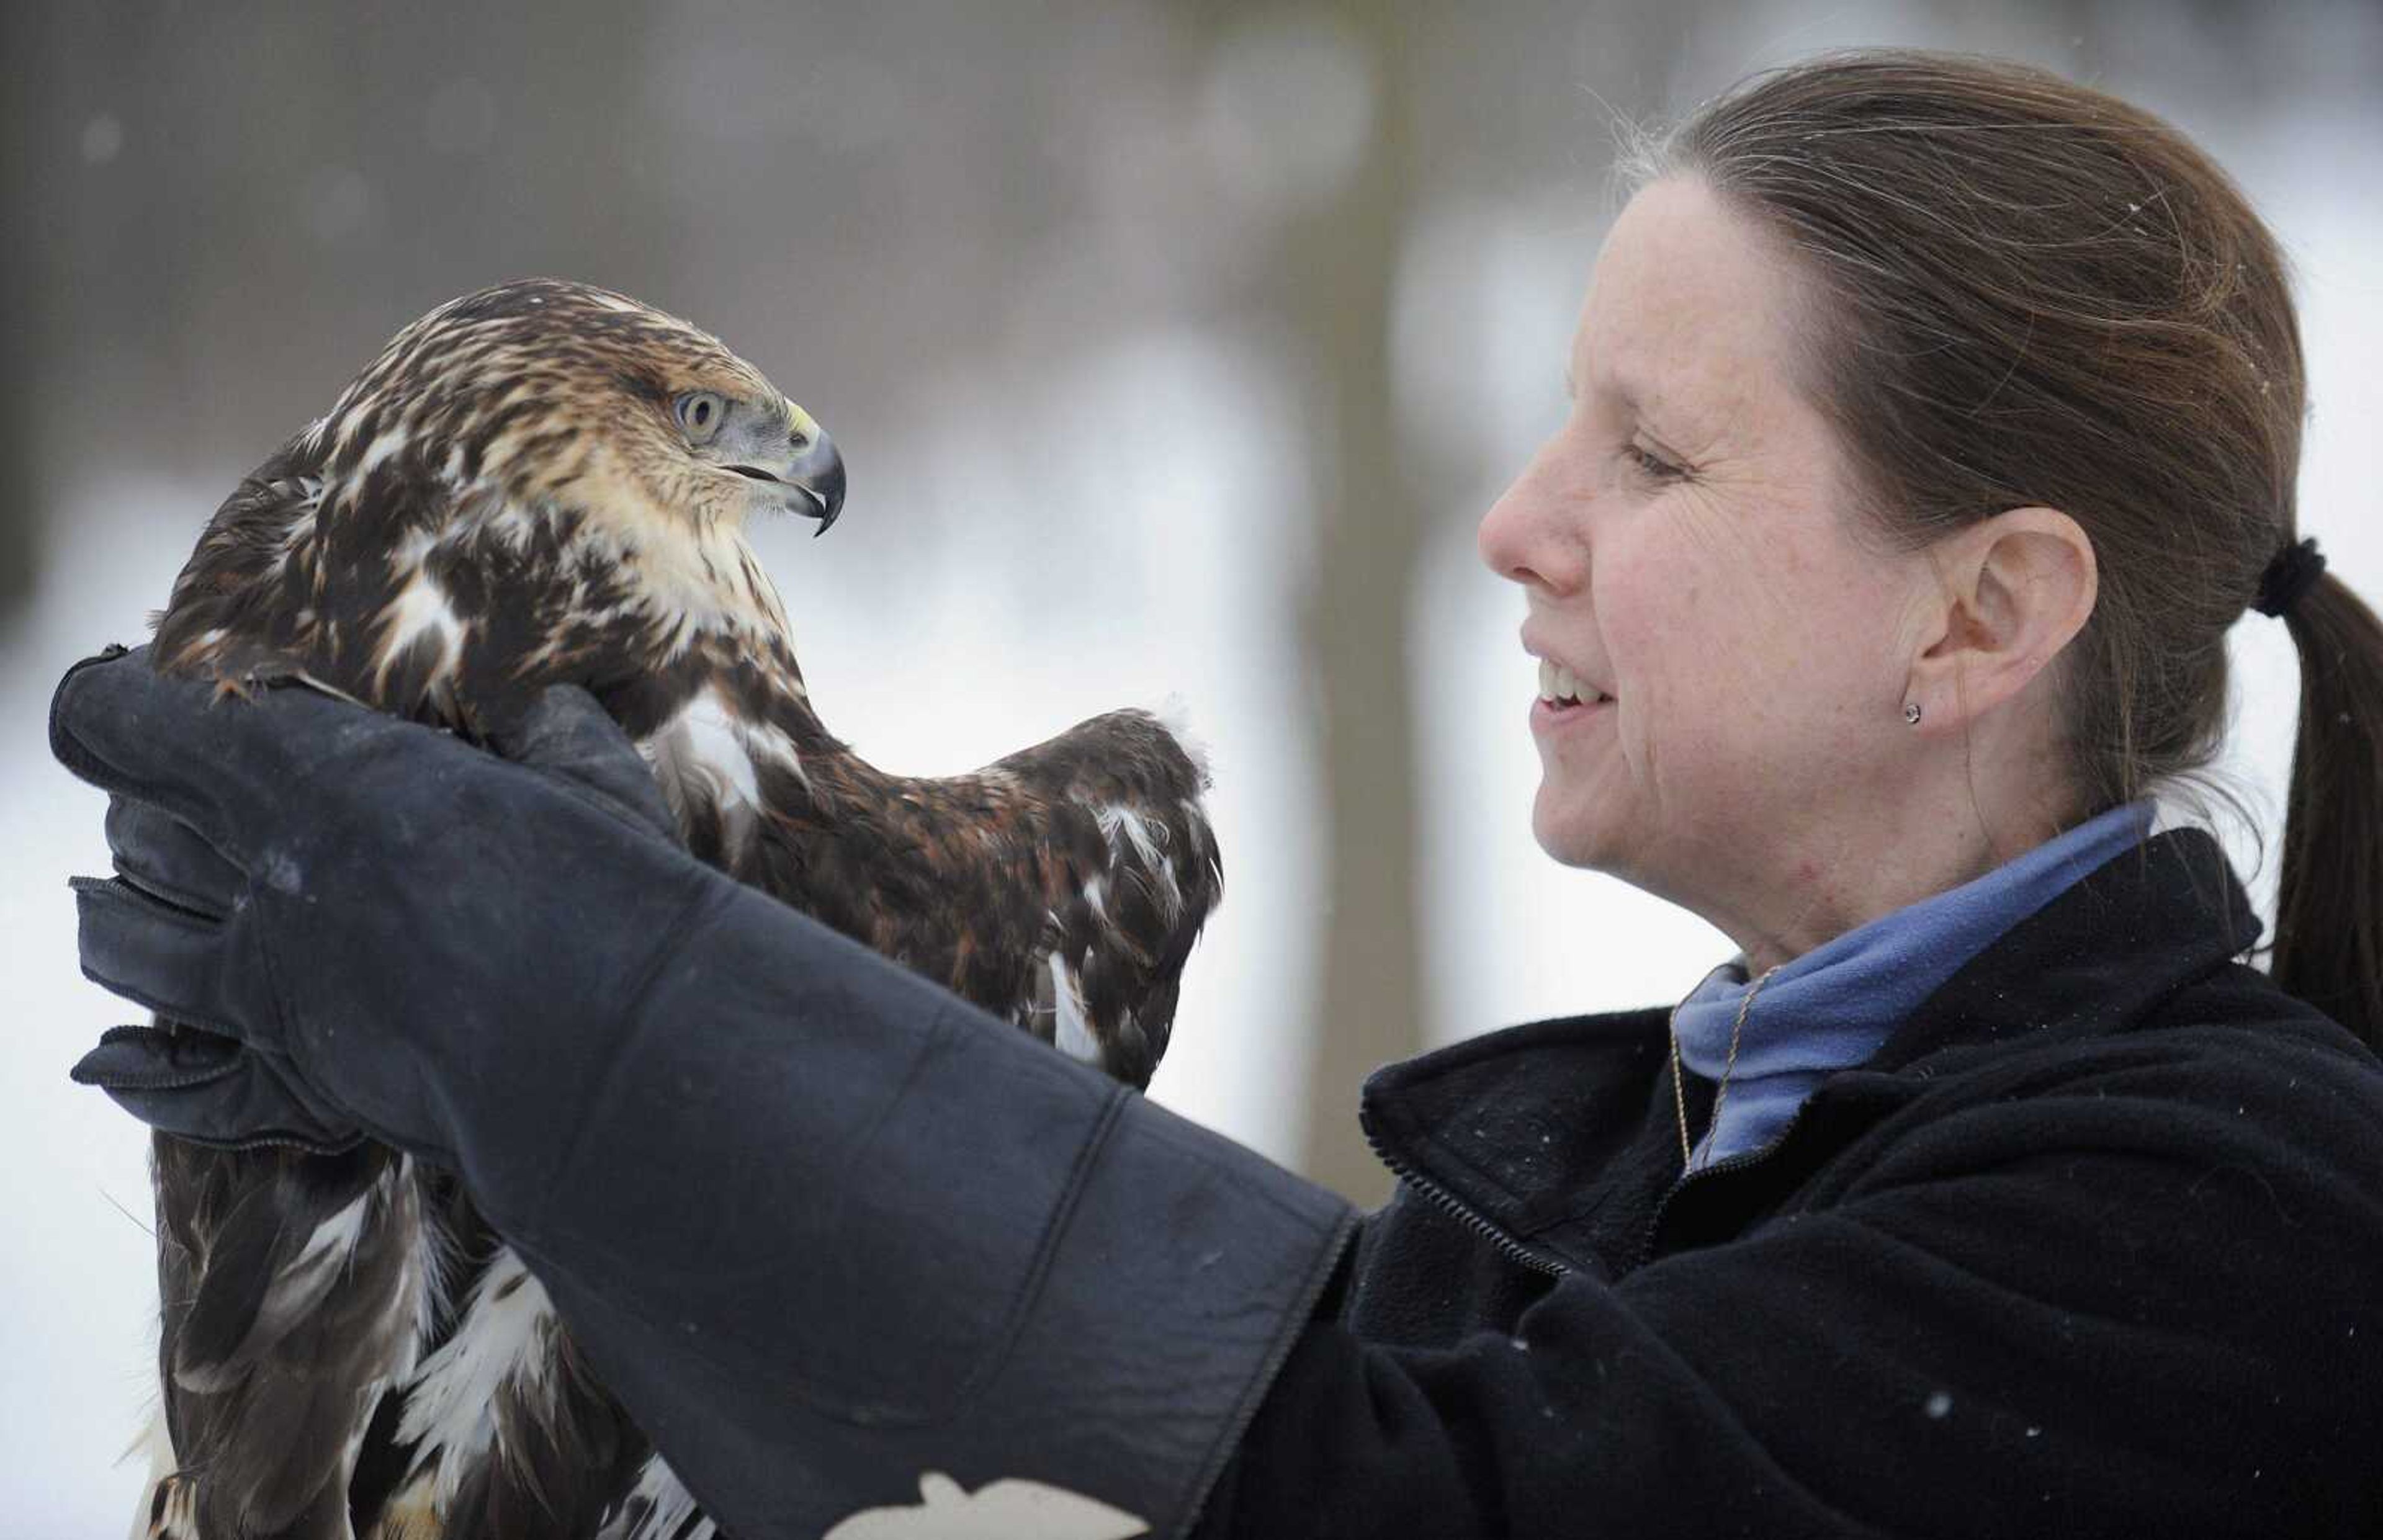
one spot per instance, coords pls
(1681, 546)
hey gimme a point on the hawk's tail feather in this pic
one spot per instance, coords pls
(171, 1512)
(299, 1302)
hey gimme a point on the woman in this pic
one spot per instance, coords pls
(1933, 421)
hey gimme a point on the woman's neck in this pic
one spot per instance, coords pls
(1826, 886)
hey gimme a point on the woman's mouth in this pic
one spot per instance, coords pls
(1564, 699)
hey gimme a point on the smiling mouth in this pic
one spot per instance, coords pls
(1560, 686)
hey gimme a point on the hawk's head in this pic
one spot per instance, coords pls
(563, 393)
(542, 481)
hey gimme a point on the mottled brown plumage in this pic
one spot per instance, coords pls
(544, 483)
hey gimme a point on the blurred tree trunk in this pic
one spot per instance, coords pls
(1337, 267)
(21, 288)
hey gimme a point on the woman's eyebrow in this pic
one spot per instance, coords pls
(1622, 390)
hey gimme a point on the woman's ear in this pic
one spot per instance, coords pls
(2015, 587)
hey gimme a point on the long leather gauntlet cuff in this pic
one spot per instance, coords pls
(831, 1233)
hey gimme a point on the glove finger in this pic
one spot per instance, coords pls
(161, 854)
(119, 724)
(156, 1058)
(175, 962)
(568, 734)
(212, 1091)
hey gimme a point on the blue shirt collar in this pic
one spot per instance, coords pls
(1834, 1006)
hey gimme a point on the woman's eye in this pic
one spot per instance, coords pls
(701, 413)
(1661, 469)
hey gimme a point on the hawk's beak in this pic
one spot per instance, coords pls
(811, 468)
(817, 471)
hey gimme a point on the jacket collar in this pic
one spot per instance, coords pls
(1534, 1126)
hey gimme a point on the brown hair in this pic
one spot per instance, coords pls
(2032, 293)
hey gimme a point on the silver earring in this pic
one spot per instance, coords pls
(1911, 712)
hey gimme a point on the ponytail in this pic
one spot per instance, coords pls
(2329, 940)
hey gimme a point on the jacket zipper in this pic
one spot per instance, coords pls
(1689, 1178)
(1457, 1209)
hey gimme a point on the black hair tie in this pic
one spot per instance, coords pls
(2290, 575)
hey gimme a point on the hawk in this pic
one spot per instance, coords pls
(541, 483)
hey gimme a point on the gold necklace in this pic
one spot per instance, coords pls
(1679, 1097)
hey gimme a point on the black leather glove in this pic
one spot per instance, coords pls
(227, 911)
(213, 919)
(829, 1232)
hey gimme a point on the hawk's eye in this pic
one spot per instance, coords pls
(700, 413)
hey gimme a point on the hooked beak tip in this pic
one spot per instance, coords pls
(820, 472)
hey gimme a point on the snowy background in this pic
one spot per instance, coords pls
(1081, 469)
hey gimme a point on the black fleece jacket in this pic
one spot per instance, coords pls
(2094, 1245)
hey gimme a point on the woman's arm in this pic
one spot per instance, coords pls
(2126, 1289)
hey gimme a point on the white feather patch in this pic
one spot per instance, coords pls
(1123, 825)
(377, 452)
(300, 529)
(1174, 716)
(655, 1509)
(296, 1290)
(1129, 827)
(434, 1264)
(770, 742)
(157, 1442)
(503, 1339)
(716, 743)
(178, 1518)
(420, 609)
(336, 1237)
(1072, 1035)
(707, 745)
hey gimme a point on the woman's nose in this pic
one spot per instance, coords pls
(1517, 538)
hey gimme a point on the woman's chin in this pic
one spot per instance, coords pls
(1568, 833)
